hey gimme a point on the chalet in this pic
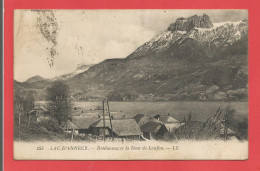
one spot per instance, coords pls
(83, 123)
(170, 122)
(39, 113)
(151, 127)
(122, 128)
(70, 127)
(154, 130)
(138, 117)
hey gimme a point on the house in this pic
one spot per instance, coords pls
(154, 129)
(83, 123)
(170, 122)
(122, 128)
(138, 117)
(151, 127)
(69, 127)
(98, 128)
(39, 113)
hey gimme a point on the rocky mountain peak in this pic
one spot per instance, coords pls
(186, 24)
(178, 64)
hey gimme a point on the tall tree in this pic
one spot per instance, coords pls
(60, 104)
(229, 120)
(23, 103)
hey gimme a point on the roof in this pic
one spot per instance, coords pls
(150, 127)
(83, 122)
(168, 119)
(138, 117)
(70, 125)
(172, 126)
(150, 124)
(122, 127)
(39, 108)
(147, 119)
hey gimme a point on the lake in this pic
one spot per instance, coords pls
(177, 109)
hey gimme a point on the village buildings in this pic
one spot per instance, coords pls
(38, 113)
(83, 123)
(121, 128)
(170, 123)
(141, 127)
(151, 127)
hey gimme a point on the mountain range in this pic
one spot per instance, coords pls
(193, 59)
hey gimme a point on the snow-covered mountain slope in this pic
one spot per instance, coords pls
(223, 23)
(193, 60)
(228, 33)
(158, 43)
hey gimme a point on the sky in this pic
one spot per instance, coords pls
(54, 42)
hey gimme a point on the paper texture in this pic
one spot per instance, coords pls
(130, 84)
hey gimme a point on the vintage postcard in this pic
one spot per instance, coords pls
(130, 84)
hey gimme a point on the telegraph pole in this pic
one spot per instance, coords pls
(104, 124)
(110, 121)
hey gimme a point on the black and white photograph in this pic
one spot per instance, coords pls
(130, 84)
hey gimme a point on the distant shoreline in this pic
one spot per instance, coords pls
(207, 101)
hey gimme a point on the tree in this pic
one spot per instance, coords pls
(229, 120)
(23, 104)
(60, 104)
